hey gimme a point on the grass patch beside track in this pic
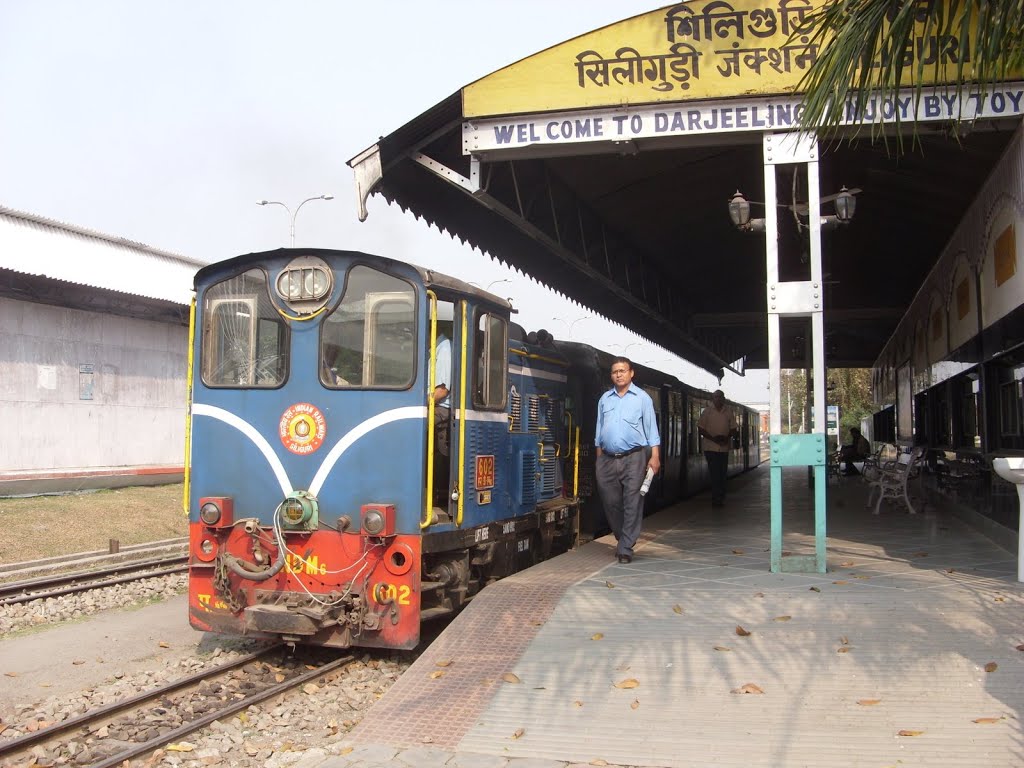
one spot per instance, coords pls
(50, 526)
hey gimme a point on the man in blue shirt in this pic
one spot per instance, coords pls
(625, 429)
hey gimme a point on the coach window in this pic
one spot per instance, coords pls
(245, 341)
(369, 340)
(491, 361)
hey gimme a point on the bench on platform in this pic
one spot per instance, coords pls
(891, 478)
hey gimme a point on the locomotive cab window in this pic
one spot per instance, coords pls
(492, 361)
(369, 340)
(245, 341)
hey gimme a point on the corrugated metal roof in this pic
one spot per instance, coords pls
(35, 245)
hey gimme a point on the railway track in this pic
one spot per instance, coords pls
(201, 692)
(60, 584)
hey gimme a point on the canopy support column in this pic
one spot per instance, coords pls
(796, 298)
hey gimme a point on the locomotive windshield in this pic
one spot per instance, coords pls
(369, 340)
(245, 342)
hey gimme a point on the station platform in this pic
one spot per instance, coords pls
(905, 653)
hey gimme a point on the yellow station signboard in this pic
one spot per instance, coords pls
(688, 51)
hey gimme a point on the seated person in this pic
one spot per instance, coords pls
(857, 450)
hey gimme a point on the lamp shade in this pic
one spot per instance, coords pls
(846, 204)
(739, 210)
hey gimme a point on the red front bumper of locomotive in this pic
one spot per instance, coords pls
(325, 588)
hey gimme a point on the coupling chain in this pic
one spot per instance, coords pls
(222, 585)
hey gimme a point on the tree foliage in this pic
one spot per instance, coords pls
(849, 388)
(869, 47)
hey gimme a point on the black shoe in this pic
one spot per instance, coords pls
(624, 559)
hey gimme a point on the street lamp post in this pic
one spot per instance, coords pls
(493, 282)
(625, 349)
(291, 230)
(571, 325)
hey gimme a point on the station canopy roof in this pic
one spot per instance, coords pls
(603, 167)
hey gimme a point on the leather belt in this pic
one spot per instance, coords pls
(624, 453)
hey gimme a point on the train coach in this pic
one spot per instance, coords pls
(372, 443)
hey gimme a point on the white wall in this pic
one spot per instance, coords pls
(136, 416)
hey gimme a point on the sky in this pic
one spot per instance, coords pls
(165, 123)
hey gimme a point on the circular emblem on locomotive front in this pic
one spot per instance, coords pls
(302, 428)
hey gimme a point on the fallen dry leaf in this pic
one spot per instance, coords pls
(635, 704)
(78, 662)
(741, 631)
(596, 636)
(843, 649)
(869, 702)
(519, 732)
(609, 585)
(1000, 599)
(991, 667)
(164, 644)
(181, 746)
(782, 618)
(279, 677)
(510, 677)
(815, 589)
(630, 682)
(443, 663)
(986, 720)
(847, 564)
(10, 674)
(311, 688)
(436, 674)
(599, 761)
(748, 688)
(577, 703)
(910, 733)
(677, 608)
(722, 648)
(1019, 648)
(759, 594)
(737, 552)
(839, 582)
(860, 576)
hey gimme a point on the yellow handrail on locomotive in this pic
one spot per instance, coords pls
(462, 416)
(186, 486)
(576, 468)
(432, 368)
(533, 356)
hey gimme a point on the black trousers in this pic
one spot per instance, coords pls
(718, 463)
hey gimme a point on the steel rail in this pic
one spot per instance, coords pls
(119, 706)
(183, 730)
(20, 591)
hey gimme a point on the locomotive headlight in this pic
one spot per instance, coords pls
(216, 511)
(377, 519)
(209, 513)
(373, 522)
(299, 510)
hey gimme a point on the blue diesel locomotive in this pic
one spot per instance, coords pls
(339, 495)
